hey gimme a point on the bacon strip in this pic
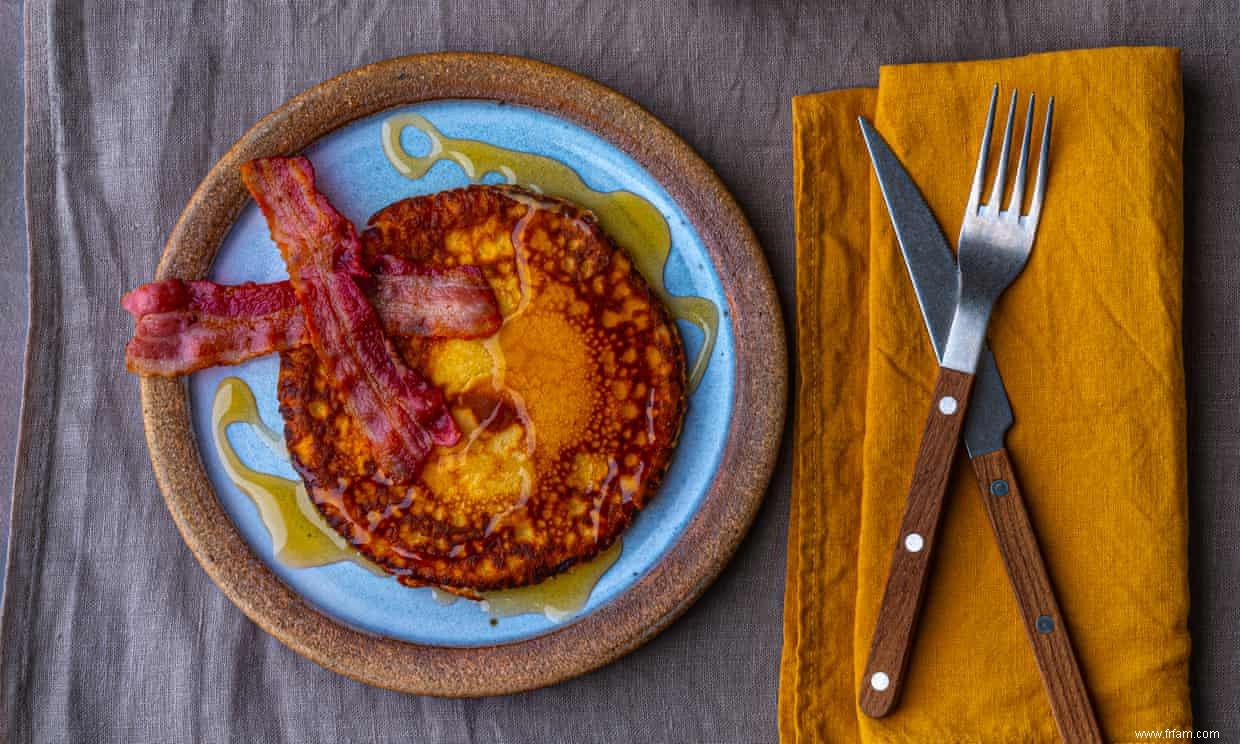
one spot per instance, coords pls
(185, 326)
(417, 300)
(401, 414)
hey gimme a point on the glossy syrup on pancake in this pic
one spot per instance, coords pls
(570, 412)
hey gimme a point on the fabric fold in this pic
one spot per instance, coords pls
(1088, 340)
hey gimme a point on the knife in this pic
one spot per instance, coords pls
(932, 269)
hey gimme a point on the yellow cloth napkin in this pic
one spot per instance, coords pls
(1088, 341)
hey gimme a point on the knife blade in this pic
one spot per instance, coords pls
(935, 278)
(936, 282)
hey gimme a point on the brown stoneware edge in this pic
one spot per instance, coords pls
(713, 533)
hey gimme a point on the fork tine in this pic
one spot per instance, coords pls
(1018, 186)
(1039, 189)
(996, 193)
(979, 175)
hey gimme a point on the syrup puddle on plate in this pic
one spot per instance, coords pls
(301, 538)
(630, 220)
(558, 598)
(299, 535)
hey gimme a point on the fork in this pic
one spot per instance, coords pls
(994, 247)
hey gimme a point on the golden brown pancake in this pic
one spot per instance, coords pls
(570, 413)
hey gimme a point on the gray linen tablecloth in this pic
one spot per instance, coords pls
(111, 631)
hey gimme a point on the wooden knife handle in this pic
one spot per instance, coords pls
(1044, 624)
(910, 564)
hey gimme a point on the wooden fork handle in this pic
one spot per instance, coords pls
(1044, 624)
(910, 564)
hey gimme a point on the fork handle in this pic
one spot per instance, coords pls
(910, 564)
(1039, 610)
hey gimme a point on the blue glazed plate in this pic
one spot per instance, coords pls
(355, 174)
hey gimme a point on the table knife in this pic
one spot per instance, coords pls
(932, 269)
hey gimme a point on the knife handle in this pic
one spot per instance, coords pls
(1044, 624)
(910, 564)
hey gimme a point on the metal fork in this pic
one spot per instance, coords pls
(994, 246)
(994, 243)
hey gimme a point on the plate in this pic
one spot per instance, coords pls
(411, 126)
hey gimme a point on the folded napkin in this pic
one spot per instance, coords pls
(1088, 341)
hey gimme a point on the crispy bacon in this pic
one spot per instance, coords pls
(185, 326)
(401, 414)
(417, 300)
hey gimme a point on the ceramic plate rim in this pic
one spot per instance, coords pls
(712, 534)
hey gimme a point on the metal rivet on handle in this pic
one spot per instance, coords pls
(1045, 624)
(914, 542)
(999, 487)
(880, 681)
(947, 405)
